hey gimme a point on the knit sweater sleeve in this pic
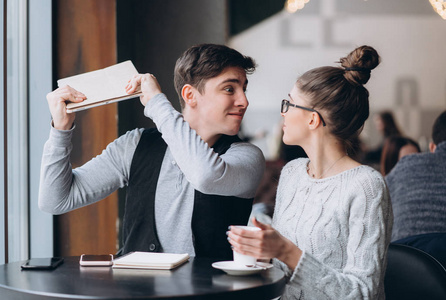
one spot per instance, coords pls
(363, 229)
(63, 189)
(236, 173)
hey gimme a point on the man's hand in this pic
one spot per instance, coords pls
(149, 86)
(58, 107)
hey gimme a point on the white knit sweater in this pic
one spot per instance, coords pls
(343, 226)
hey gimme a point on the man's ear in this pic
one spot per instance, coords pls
(432, 147)
(188, 93)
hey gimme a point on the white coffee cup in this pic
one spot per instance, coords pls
(242, 259)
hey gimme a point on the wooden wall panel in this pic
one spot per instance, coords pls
(86, 41)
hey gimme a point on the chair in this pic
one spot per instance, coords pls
(413, 274)
(431, 243)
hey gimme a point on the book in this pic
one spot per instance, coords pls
(150, 260)
(102, 86)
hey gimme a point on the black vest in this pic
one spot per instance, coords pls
(212, 214)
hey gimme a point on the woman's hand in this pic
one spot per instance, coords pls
(58, 108)
(264, 244)
(149, 86)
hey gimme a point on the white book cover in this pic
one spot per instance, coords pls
(102, 86)
(150, 260)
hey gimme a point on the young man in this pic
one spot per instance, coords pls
(188, 179)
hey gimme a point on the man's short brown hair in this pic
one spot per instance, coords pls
(202, 62)
(439, 129)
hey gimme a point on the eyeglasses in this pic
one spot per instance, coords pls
(286, 105)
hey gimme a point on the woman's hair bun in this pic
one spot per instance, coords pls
(359, 63)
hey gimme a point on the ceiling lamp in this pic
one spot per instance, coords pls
(294, 5)
(440, 7)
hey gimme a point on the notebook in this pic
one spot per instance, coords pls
(102, 86)
(150, 260)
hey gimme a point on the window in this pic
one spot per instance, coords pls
(25, 81)
(2, 144)
(16, 130)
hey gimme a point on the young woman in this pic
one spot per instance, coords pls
(332, 220)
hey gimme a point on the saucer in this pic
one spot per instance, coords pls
(232, 268)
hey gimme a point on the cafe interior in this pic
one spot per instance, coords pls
(45, 40)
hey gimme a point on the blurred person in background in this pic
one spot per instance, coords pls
(386, 126)
(417, 186)
(394, 149)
